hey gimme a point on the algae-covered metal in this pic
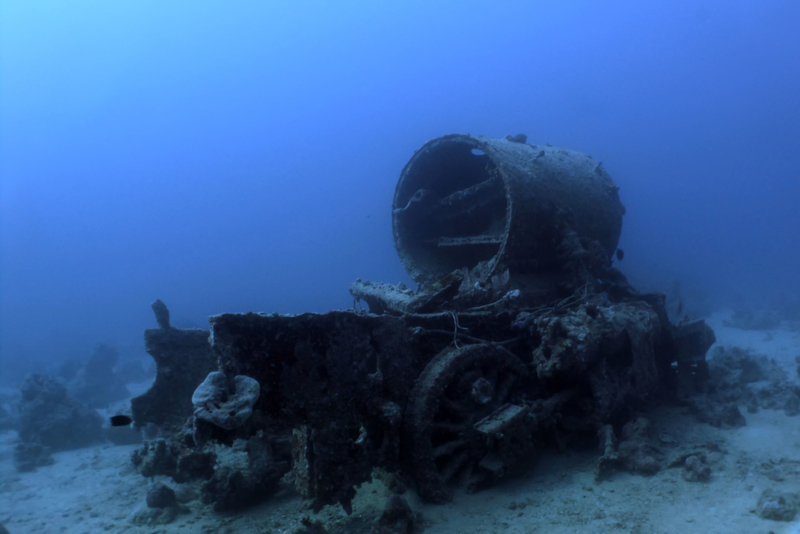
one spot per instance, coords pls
(521, 336)
(464, 200)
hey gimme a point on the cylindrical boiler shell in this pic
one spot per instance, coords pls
(462, 200)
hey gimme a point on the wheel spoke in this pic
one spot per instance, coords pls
(491, 375)
(456, 388)
(504, 387)
(447, 449)
(448, 428)
(453, 407)
(453, 466)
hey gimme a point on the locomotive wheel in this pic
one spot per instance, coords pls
(457, 389)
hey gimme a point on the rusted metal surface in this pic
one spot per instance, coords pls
(521, 336)
(183, 360)
(462, 200)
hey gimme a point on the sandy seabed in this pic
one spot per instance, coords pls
(97, 489)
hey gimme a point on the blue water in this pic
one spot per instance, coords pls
(243, 156)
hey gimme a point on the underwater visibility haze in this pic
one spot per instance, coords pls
(243, 156)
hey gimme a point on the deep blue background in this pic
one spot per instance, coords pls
(242, 156)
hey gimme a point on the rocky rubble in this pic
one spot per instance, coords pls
(49, 416)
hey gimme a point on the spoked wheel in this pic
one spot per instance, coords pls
(461, 419)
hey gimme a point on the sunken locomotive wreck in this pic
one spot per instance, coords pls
(522, 335)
